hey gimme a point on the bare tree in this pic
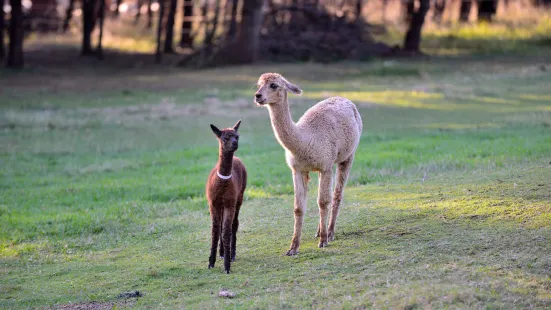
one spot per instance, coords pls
(138, 12)
(186, 39)
(233, 18)
(465, 10)
(88, 23)
(210, 28)
(117, 6)
(486, 10)
(68, 15)
(408, 9)
(169, 28)
(439, 7)
(2, 26)
(15, 50)
(158, 53)
(358, 8)
(149, 14)
(244, 49)
(412, 40)
(99, 49)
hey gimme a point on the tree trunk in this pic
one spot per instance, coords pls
(99, 49)
(139, 12)
(210, 31)
(2, 24)
(359, 8)
(244, 49)
(149, 14)
(439, 7)
(117, 5)
(412, 41)
(187, 39)
(169, 28)
(408, 8)
(88, 23)
(233, 19)
(486, 10)
(158, 53)
(465, 10)
(68, 15)
(15, 50)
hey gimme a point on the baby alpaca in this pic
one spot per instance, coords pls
(327, 134)
(224, 190)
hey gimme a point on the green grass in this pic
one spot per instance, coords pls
(448, 205)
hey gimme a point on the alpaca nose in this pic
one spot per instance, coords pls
(258, 96)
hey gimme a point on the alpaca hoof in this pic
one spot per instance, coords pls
(291, 252)
(317, 235)
(211, 266)
(233, 259)
(330, 236)
(227, 271)
(322, 244)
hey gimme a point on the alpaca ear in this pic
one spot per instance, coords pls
(216, 131)
(293, 88)
(236, 126)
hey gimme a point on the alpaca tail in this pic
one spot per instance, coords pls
(357, 117)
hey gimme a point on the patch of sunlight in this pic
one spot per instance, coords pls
(456, 126)
(360, 193)
(446, 51)
(16, 250)
(496, 31)
(129, 44)
(535, 97)
(496, 100)
(257, 192)
(410, 99)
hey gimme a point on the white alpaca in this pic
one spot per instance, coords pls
(327, 134)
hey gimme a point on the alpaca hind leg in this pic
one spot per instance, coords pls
(343, 170)
(226, 236)
(234, 227)
(324, 199)
(300, 182)
(215, 231)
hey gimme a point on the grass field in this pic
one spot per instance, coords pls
(448, 204)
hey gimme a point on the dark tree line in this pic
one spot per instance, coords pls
(236, 31)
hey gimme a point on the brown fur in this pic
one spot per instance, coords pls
(226, 196)
(327, 134)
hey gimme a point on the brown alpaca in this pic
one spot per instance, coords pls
(225, 186)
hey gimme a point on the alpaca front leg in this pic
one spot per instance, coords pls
(215, 232)
(343, 169)
(300, 181)
(324, 199)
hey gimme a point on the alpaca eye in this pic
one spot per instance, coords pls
(273, 86)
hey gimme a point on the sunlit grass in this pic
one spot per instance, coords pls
(447, 205)
(500, 36)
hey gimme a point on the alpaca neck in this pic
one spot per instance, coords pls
(286, 131)
(225, 160)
